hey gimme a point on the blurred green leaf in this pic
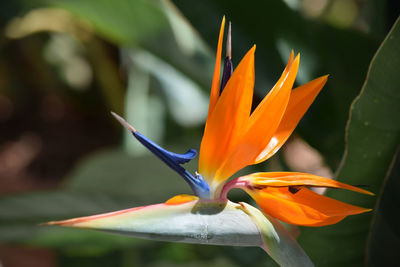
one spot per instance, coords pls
(373, 136)
(21, 215)
(147, 112)
(125, 22)
(376, 13)
(186, 101)
(176, 58)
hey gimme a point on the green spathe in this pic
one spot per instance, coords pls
(201, 222)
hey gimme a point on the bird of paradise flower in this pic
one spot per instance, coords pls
(235, 137)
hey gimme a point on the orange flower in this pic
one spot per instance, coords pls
(235, 137)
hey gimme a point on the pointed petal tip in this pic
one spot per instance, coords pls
(68, 222)
(222, 23)
(61, 223)
(293, 62)
(362, 191)
(291, 57)
(324, 77)
(367, 192)
(252, 50)
(319, 82)
(215, 85)
(360, 210)
(123, 122)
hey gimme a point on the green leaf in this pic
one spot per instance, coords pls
(385, 228)
(125, 22)
(373, 135)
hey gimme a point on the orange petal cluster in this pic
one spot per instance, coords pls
(235, 137)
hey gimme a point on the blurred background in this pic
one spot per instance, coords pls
(65, 64)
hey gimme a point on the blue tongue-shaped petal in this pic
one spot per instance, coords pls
(173, 160)
(161, 152)
(183, 158)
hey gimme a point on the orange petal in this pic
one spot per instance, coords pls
(303, 208)
(299, 102)
(262, 123)
(286, 70)
(217, 69)
(229, 117)
(180, 199)
(282, 179)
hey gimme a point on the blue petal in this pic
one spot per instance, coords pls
(226, 74)
(182, 158)
(173, 160)
(165, 155)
